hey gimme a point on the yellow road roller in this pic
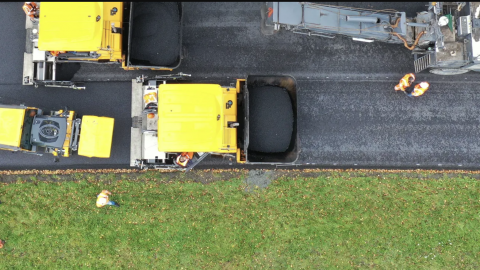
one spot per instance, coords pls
(30, 130)
(137, 35)
(175, 125)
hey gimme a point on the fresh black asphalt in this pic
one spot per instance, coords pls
(349, 115)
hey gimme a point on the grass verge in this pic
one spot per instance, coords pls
(325, 220)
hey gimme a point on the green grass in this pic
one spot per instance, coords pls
(330, 221)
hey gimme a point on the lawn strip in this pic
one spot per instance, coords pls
(205, 219)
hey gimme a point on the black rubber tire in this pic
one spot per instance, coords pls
(155, 34)
(271, 119)
(448, 71)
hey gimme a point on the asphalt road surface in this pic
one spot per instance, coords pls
(349, 116)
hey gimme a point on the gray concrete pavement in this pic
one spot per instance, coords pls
(348, 113)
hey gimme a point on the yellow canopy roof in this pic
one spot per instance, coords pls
(187, 117)
(96, 136)
(11, 125)
(70, 26)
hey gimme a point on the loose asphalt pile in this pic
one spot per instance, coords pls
(271, 119)
(155, 34)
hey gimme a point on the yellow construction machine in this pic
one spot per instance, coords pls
(253, 121)
(29, 130)
(137, 35)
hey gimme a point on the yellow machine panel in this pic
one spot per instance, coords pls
(193, 118)
(70, 26)
(111, 40)
(11, 124)
(96, 136)
(230, 115)
(68, 136)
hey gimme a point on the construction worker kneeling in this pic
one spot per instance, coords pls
(183, 159)
(102, 199)
(419, 89)
(405, 82)
(32, 10)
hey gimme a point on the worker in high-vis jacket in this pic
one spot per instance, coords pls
(31, 9)
(405, 82)
(183, 159)
(419, 89)
(102, 199)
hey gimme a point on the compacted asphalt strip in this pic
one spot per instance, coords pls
(349, 116)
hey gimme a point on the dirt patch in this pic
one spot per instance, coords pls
(199, 176)
(253, 178)
(258, 179)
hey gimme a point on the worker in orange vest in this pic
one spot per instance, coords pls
(419, 89)
(31, 9)
(405, 82)
(183, 159)
(56, 53)
(102, 199)
(270, 12)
